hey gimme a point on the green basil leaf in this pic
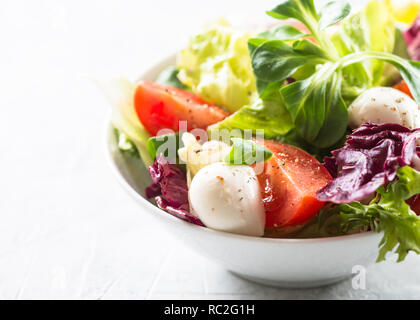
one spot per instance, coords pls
(275, 60)
(333, 12)
(247, 152)
(172, 140)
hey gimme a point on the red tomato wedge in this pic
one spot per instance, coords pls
(403, 87)
(289, 184)
(159, 106)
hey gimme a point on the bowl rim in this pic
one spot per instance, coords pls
(152, 208)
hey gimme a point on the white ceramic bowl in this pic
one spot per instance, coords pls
(289, 263)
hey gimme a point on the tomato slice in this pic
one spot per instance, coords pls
(289, 184)
(159, 106)
(403, 87)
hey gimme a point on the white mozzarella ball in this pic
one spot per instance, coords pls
(384, 105)
(228, 198)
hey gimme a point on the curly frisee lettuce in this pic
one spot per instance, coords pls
(388, 212)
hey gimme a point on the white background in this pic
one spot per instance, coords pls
(67, 229)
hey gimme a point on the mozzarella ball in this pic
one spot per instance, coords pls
(228, 198)
(384, 105)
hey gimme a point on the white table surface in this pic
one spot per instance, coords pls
(67, 229)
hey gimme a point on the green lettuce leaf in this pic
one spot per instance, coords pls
(371, 29)
(217, 66)
(125, 144)
(266, 113)
(120, 93)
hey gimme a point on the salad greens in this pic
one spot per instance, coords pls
(247, 152)
(317, 106)
(125, 144)
(371, 29)
(330, 72)
(120, 92)
(333, 12)
(169, 77)
(268, 113)
(169, 142)
(217, 66)
(388, 212)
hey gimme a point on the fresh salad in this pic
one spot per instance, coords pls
(307, 128)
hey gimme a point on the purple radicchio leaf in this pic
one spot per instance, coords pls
(181, 212)
(170, 190)
(370, 158)
(412, 38)
(416, 161)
